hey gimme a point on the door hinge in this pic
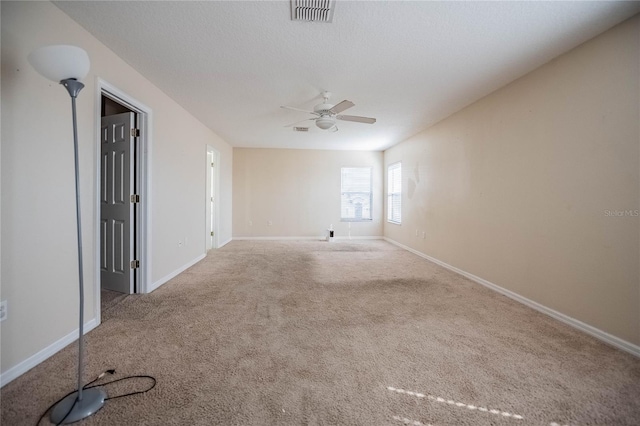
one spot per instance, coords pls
(135, 264)
(135, 132)
(212, 233)
(213, 164)
(135, 198)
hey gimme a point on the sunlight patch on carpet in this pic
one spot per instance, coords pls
(456, 403)
(407, 421)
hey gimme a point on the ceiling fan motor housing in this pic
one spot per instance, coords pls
(323, 108)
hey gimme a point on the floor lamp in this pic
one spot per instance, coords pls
(67, 65)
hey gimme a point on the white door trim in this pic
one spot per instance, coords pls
(145, 115)
(214, 242)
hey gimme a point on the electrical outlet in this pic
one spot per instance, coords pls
(416, 232)
(3, 310)
(424, 235)
(250, 223)
(270, 223)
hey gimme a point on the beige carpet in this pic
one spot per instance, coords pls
(108, 300)
(356, 333)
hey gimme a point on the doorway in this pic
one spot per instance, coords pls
(118, 184)
(122, 179)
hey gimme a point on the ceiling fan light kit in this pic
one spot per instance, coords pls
(327, 114)
(325, 123)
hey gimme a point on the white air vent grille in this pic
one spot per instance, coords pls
(300, 129)
(312, 10)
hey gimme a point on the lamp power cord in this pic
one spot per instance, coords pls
(91, 385)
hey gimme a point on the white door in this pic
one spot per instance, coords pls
(116, 211)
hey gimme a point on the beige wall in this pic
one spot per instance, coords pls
(298, 190)
(516, 188)
(39, 272)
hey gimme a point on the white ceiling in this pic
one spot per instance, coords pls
(409, 64)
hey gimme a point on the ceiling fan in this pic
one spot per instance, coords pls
(327, 114)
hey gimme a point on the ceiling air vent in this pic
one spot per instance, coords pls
(312, 10)
(300, 129)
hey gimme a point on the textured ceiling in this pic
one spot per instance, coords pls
(409, 64)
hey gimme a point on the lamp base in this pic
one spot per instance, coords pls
(68, 411)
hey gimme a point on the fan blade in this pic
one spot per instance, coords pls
(298, 109)
(356, 119)
(298, 122)
(341, 107)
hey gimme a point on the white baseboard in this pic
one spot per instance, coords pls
(595, 332)
(225, 243)
(40, 356)
(276, 238)
(374, 237)
(175, 273)
(318, 238)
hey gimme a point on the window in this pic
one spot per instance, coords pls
(355, 203)
(394, 193)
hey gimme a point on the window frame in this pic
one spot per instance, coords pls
(391, 193)
(370, 192)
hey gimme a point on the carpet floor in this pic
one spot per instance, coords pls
(109, 299)
(352, 332)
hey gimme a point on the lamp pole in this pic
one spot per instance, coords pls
(74, 87)
(82, 403)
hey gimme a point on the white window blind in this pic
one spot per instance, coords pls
(356, 196)
(394, 193)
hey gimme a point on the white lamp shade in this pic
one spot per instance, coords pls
(60, 62)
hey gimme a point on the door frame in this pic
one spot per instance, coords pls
(143, 214)
(212, 243)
